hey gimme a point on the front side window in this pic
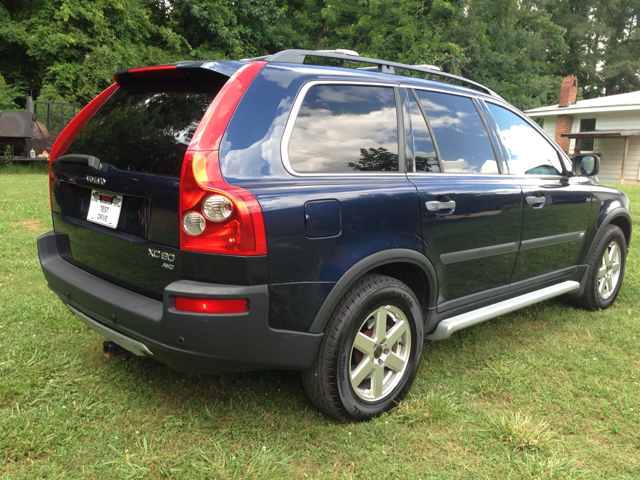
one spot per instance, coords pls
(529, 152)
(459, 132)
(345, 129)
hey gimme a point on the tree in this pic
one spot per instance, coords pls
(71, 48)
(231, 29)
(604, 46)
(8, 95)
(375, 160)
(409, 32)
(510, 46)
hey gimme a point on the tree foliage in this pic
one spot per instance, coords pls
(604, 44)
(511, 46)
(69, 49)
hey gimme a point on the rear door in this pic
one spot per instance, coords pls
(120, 211)
(557, 208)
(471, 213)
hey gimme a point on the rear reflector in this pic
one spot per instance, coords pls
(209, 305)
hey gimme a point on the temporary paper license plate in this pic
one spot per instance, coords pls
(104, 208)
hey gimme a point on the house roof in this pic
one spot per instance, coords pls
(612, 103)
(604, 134)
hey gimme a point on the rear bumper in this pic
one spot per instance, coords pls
(187, 342)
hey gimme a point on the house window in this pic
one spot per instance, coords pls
(587, 125)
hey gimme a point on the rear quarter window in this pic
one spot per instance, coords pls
(345, 129)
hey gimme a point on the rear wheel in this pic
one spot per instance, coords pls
(370, 352)
(606, 270)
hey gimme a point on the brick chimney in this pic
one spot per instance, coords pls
(568, 94)
(568, 91)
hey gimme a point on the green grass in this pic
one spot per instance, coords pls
(14, 168)
(547, 392)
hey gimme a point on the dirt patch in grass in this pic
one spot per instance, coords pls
(30, 224)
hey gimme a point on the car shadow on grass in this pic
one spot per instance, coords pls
(252, 397)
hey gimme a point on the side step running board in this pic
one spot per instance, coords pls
(453, 324)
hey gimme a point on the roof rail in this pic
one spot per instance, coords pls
(384, 66)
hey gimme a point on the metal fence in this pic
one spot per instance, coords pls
(54, 116)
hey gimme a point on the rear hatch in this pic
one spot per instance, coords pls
(116, 190)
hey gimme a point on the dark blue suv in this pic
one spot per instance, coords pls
(275, 214)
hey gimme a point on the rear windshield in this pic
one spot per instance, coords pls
(144, 132)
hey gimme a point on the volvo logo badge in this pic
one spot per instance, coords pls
(96, 180)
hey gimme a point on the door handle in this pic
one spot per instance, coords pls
(531, 200)
(436, 206)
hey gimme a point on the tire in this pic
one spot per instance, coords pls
(358, 374)
(606, 270)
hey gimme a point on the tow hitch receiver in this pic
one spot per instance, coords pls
(113, 350)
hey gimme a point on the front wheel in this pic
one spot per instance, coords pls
(370, 352)
(606, 270)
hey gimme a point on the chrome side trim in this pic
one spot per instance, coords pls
(552, 240)
(476, 253)
(134, 346)
(453, 324)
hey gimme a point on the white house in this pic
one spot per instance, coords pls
(607, 126)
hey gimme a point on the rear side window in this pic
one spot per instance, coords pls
(459, 132)
(529, 152)
(345, 129)
(144, 132)
(425, 158)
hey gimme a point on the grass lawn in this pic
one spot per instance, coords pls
(547, 392)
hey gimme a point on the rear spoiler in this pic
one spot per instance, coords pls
(178, 77)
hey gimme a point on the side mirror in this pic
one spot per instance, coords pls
(586, 165)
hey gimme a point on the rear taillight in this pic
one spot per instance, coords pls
(216, 217)
(230, 225)
(70, 132)
(210, 305)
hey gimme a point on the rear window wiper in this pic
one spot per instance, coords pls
(93, 162)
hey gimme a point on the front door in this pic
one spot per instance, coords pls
(557, 208)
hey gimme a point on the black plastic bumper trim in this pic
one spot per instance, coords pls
(188, 342)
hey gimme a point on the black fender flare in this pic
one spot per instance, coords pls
(398, 255)
(601, 223)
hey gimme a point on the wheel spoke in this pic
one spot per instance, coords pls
(380, 328)
(603, 271)
(609, 283)
(615, 266)
(602, 284)
(376, 381)
(394, 362)
(361, 372)
(396, 332)
(364, 344)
